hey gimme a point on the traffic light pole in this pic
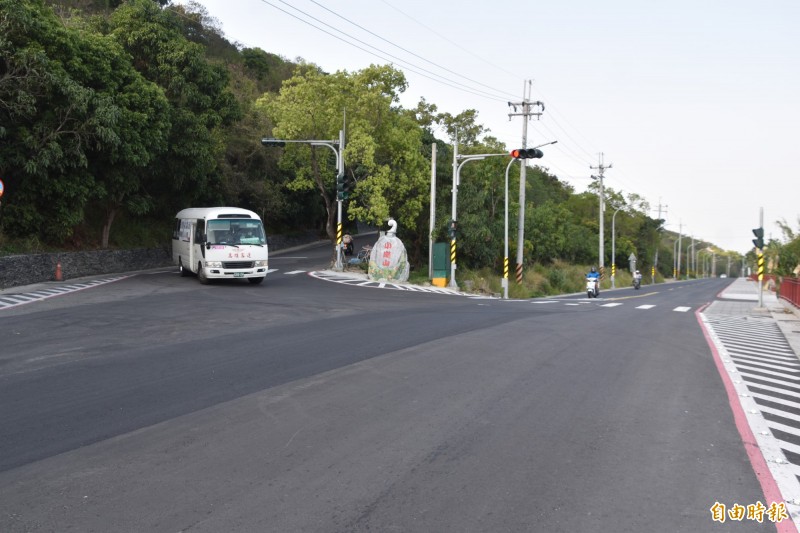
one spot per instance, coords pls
(338, 151)
(759, 242)
(505, 244)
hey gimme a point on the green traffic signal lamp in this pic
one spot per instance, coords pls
(758, 242)
(268, 141)
(340, 188)
(527, 153)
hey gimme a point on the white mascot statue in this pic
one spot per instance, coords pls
(388, 260)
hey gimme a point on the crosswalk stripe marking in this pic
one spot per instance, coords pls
(294, 272)
(14, 300)
(681, 309)
(613, 304)
(646, 306)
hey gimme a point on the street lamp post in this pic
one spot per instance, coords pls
(456, 181)
(675, 259)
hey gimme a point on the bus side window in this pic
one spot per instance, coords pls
(199, 232)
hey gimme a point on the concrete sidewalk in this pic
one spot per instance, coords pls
(740, 298)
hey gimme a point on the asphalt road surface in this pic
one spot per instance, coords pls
(154, 403)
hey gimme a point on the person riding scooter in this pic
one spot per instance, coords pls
(594, 277)
(637, 279)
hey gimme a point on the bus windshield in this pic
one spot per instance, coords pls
(236, 231)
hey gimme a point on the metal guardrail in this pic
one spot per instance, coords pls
(790, 290)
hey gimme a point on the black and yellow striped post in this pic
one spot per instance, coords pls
(653, 274)
(504, 281)
(760, 266)
(519, 273)
(339, 261)
(613, 275)
(453, 260)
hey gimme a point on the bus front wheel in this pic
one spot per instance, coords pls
(201, 274)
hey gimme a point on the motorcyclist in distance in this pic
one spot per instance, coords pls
(593, 274)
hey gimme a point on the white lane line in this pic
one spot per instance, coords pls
(682, 309)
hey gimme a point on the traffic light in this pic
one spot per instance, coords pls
(452, 229)
(527, 153)
(758, 242)
(340, 189)
(349, 185)
(267, 141)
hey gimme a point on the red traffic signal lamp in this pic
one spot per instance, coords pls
(527, 153)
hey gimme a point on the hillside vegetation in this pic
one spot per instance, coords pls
(116, 114)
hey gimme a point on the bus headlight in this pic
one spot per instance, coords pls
(262, 263)
(214, 264)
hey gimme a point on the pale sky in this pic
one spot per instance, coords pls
(695, 103)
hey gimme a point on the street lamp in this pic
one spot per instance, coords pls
(613, 249)
(456, 181)
(675, 258)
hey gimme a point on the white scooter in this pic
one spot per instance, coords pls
(592, 287)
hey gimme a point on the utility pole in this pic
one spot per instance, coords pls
(678, 258)
(658, 239)
(526, 106)
(601, 167)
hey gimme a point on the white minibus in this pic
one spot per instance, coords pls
(220, 243)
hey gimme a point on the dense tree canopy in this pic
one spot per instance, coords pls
(130, 110)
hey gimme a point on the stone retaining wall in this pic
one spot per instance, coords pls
(17, 270)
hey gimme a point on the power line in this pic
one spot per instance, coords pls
(450, 41)
(406, 50)
(450, 83)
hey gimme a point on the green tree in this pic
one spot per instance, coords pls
(52, 117)
(201, 105)
(382, 150)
